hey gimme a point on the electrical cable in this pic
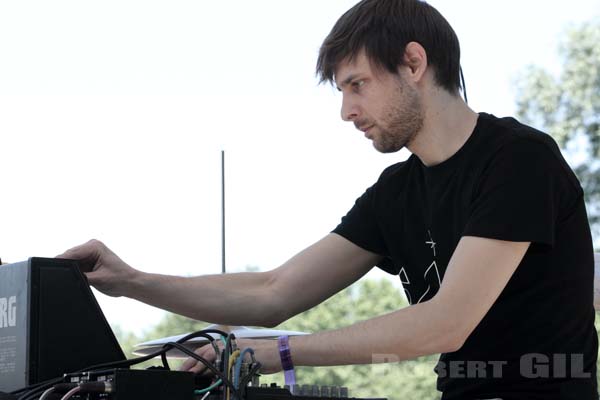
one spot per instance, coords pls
(72, 389)
(29, 392)
(253, 371)
(123, 363)
(71, 392)
(232, 359)
(205, 362)
(32, 391)
(211, 341)
(208, 389)
(244, 381)
(226, 352)
(195, 356)
(238, 366)
(58, 388)
(45, 395)
(205, 396)
(138, 360)
(38, 385)
(96, 387)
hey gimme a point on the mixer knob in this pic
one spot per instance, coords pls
(325, 392)
(344, 392)
(296, 389)
(315, 391)
(305, 391)
(335, 391)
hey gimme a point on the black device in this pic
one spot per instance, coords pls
(50, 323)
(125, 384)
(135, 384)
(304, 392)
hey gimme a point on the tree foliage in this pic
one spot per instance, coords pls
(567, 106)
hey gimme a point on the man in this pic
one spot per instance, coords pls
(485, 224)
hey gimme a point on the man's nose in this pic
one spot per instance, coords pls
(350, 111)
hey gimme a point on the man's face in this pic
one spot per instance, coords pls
(381, 104)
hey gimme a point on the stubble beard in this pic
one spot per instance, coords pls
(402, 120)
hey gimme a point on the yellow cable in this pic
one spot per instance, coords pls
(232, 360)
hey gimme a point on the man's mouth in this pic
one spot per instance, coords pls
(366, 130)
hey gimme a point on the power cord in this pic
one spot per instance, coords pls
(208, 364)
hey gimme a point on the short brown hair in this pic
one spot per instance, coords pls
(383, 28)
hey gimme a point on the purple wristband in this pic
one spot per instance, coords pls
(286, 360)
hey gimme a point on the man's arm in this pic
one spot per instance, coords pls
(476, 275)
(260, 299)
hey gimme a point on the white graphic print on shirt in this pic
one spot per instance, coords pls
(431, 276)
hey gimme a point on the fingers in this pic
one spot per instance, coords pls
(87, 253)
(82, 251)
(188, 364)
(200, 369)
(92, 277)
(207, 352)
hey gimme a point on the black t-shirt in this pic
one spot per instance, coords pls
(507, 182)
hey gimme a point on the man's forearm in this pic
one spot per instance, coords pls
(405, 334)
(231, 299)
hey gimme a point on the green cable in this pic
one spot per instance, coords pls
(217, 383)
(211, 387)
(225, 342)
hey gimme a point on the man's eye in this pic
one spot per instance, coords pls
(357, 84)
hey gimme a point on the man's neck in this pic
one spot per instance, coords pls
(448, 124)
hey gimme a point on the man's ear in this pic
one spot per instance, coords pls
(415, 60)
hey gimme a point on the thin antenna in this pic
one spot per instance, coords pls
(223, 211)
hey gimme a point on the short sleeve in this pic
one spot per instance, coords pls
(521, 193)
(360, 226)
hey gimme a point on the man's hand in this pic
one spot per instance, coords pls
(103, 268)
(265, 351)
